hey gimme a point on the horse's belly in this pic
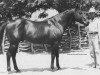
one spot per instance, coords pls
(46, 39)
(40, 40)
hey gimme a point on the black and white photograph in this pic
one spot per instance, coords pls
(49, 37)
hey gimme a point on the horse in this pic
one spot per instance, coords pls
(49, 31)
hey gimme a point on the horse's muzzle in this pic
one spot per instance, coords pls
(86, 23)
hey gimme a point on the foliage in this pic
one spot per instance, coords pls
(9, 8)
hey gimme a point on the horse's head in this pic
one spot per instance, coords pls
(81, 18)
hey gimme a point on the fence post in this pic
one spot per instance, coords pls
(70, 37)
(3, 42)
(32, 47)
(79, 37)
(45, 47)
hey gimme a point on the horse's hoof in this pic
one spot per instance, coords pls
(58, 68)
(9, 72)
(18, 71)
(94, 67)
(9, 69)
(52, 68)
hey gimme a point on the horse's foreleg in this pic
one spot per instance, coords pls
(52, 58)
(8, 54)
(13, 54)
(57, 58)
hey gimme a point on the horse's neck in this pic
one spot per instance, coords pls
(66, 15)
(66, 19)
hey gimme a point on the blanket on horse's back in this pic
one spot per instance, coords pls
(48, 14)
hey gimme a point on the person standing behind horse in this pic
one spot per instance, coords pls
(94, 31)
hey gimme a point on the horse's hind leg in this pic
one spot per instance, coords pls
(13, 54)
(52, 57)
(8, 54)
(57, 57)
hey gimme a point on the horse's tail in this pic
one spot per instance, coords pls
(22, 24)
(21, 28)
(2, 28)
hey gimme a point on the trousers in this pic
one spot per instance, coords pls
(94, 49)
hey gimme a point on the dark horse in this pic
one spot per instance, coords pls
(49, 32)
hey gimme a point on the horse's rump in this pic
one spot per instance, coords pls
(15, 30)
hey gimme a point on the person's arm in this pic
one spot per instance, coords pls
(99, 28)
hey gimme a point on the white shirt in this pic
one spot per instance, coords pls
(94, 25)
(92, 9)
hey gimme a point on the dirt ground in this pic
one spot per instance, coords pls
(74, 63)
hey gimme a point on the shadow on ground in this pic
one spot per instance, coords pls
(45, 69)
(36, 70)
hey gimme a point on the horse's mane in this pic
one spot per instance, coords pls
(66, 12)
